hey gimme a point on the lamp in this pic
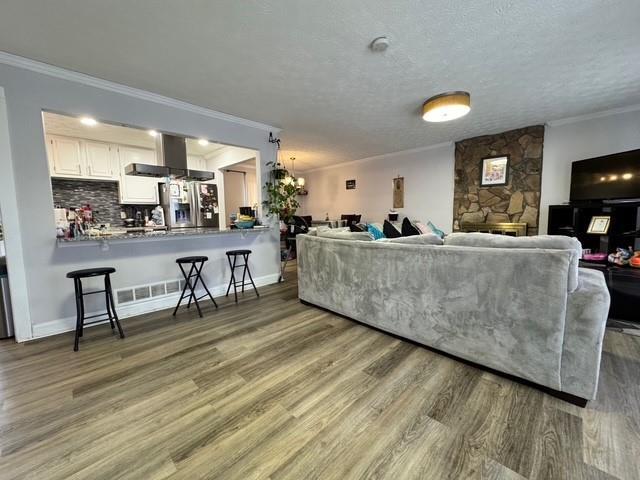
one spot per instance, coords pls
(446, 106)
(299, 182)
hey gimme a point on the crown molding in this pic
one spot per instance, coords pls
(77, 77)
(590, 116)
(379, 157)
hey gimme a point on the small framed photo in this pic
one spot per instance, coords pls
(494, 171)
(599, 225)
(351, 184)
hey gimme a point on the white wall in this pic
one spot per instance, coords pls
(36, 265)
(428, 181)
(577, 139)
(234, 192)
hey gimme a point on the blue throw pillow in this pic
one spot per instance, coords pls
(377, 234)
(436, 230)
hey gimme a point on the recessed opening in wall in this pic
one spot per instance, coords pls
(109, 178)
(241, 191)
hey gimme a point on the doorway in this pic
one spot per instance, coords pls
(240, 187)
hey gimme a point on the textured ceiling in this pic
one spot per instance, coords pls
(304, 65)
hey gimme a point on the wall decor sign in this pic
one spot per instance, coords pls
(351, 184)
(599, 225)
(494, 171)
(398, 192)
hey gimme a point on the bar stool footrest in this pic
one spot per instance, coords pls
(97, 322)
(107, 317)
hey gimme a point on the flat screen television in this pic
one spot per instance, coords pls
(612, 177)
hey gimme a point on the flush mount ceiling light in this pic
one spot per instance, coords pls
(88, 121)
(446, 106)
(203, 142)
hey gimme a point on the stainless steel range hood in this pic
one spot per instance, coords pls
(172, 161)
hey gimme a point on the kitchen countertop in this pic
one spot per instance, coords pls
(157, 235)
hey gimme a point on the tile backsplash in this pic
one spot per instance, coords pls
(102, 196)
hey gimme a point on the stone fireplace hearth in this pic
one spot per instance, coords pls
(519, 200)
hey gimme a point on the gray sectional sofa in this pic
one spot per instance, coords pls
(516, 305)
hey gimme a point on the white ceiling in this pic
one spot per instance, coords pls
(56, 124)
(304, 65)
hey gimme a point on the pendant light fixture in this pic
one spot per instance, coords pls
(446, 106)
(290, 179)
(299, 180)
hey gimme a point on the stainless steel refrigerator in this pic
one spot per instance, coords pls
(190, 204)
(207, 209)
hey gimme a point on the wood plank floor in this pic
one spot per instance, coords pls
(274, 389)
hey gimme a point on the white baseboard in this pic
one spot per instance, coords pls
(68, 324)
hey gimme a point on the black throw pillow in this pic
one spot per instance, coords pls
(409, 228)
(357, 227)
(390, 231)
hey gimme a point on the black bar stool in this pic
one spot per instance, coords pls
(232, 264)
(197, 263)
(77, 276)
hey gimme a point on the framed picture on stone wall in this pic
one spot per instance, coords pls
(494, 171)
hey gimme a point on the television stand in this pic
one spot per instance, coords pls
(624, 231)
(624, 287)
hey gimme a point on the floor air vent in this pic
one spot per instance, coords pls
(143, 293)
(173, 287)
(125, 296)
(158, 290)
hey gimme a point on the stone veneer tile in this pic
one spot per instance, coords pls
(519, 200)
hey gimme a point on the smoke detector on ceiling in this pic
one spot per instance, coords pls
(379, 44)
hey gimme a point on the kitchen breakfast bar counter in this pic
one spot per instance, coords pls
(158, 235)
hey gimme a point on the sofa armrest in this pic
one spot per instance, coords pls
(587, 312)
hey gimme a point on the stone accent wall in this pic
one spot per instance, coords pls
(519, 200)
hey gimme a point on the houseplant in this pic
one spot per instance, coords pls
(281, 193)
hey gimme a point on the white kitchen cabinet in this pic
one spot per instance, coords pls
(100, 161)
(81, 159)
(66, 159)
(133, 189)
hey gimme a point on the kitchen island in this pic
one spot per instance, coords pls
(157, 235)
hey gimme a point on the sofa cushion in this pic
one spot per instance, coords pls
(357, 227)
(553, 242)
(435, 229)
(376, 231)
(423, 227)
(408, 228)
(429, 227)
(422, 239)
(345, 235)
(390, 231)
